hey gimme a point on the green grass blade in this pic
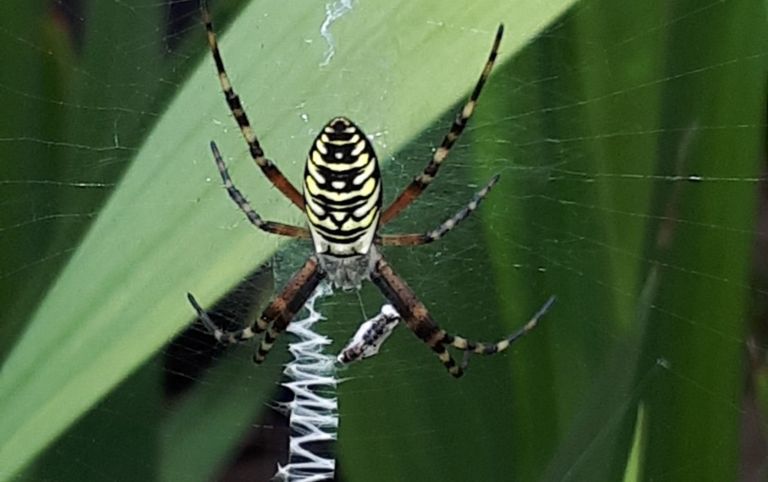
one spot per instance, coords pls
(27, 75)
(105, 70)
(223, 405)
(694, 410)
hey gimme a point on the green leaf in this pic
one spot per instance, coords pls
(704, 267)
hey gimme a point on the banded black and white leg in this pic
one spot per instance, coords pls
(442, 229)
(470, 347)
(239, 199)
(269, 169)
(420, 182)
(275, 317)
(418, 319)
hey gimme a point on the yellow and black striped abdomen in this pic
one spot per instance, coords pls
(342, 190)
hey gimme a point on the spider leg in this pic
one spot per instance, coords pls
(469, 347)
(415, 314)
(440, 231)
(419, 320)
(245, 206)
(285, 306)
(235, 106)
(275, 317)
(420, 183)
(222, 336)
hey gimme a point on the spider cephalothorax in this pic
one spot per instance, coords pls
(342, 200)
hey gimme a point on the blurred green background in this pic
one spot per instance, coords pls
(630, 141)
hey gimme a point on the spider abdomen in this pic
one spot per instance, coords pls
(342, 193)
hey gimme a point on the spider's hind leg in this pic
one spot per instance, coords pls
(418, 320)
(223, 336)
(473, 347)
(275, 317)
(284, 307)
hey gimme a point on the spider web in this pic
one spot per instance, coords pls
(630, 146)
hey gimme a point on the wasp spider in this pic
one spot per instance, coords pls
(342, 200)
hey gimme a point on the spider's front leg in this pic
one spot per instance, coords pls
(238, 198)
(275, 317)
(423, 180)
(419, 320)
(269, 169)
(445, 227)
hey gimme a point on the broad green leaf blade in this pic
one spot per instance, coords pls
(575, 411)
(168, 228)
(204, 430)
(698, 335)
(103, 70)
(635, 461)
(27, 74)
(104, 443)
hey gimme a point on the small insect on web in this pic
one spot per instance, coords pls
(370, 336)
(342, 200)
